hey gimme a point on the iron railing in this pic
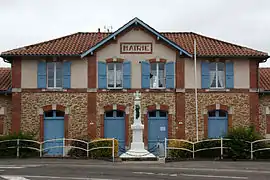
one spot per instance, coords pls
(20, 144)
(192, 150)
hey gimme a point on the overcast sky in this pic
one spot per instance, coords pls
(244, 22)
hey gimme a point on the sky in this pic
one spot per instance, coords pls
(243, 22)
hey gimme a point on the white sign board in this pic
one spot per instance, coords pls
(136, 48)
(162, 128)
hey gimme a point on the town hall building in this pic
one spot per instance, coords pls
(83, 84)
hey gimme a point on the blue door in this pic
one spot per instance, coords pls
(114, 127)
(217, 123)
(157, 129)
(53, 129)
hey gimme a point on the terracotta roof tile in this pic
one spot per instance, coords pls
(5, 78)
(76, 44)
(264, 78)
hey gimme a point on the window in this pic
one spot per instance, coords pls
(114, 113)
(55, 74)
(115, 75)
(217, 113)
(217, 75)
(157, 75)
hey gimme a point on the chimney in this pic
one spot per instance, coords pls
(98, 30)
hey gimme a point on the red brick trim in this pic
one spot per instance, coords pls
(117, 60)
(267, 123)
(135, 90)
(253, 73)
(211, 108)
(91, 115)
(217, 91)
(92, 71)
(1, 125)
(16, 113)
(34, 90)
(41, 118)
(254, 110)
(119, 108)
(155, 60)
(169, 126)
(180, 115)
(41, 127)
(16, 72)
(180, 73)
(153, 108)
(145, 130)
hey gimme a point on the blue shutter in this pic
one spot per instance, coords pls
(66, 74)
(205, 75)
(145, 74)
(127, 74)
(102, 75)
(170, 75)
(229, 75)
(42, 74)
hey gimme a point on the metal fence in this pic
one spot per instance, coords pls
(221, 141)
(38, 146)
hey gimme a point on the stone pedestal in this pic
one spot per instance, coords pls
(137, 145)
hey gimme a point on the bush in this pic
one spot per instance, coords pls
(78, 153)
(8, 146)
(240, 142)
(95, 153)
(178, 153)
(208, 153)
(105, 152)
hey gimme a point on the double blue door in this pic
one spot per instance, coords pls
(53, 129)
(217, 124)
(114, 127)
(157, 129)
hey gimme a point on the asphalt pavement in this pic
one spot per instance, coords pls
(39, 169)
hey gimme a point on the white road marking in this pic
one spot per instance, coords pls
(11, 167)
(14, 178)
(212, 176)
(24, 177)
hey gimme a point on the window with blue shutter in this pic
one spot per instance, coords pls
(145, 74)
(127, 74)
(229, 75)
(205, 75)
(102, 75)
(66, 75)
(170, 75)
(42, 75)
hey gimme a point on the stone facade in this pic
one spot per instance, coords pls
(238, 104)
(264, 103)
(127, 100)
(5, 102)
(75, 102)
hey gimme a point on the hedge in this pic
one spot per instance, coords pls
(8, 146)
(95, 153)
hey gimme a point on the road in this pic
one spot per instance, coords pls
(40, 169)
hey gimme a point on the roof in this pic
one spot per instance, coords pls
(136, 21)
(82, 43)
(264, 79)
(5, 76)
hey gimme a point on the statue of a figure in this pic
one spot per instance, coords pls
(137, 109)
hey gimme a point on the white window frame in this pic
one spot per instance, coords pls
(157, 69)
(114, 80)
(54, 76)
(217, 76)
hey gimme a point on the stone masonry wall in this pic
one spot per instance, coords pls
(77, 103)
(264, 102)
(238, 103)
(127, 99)
(5, 101)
